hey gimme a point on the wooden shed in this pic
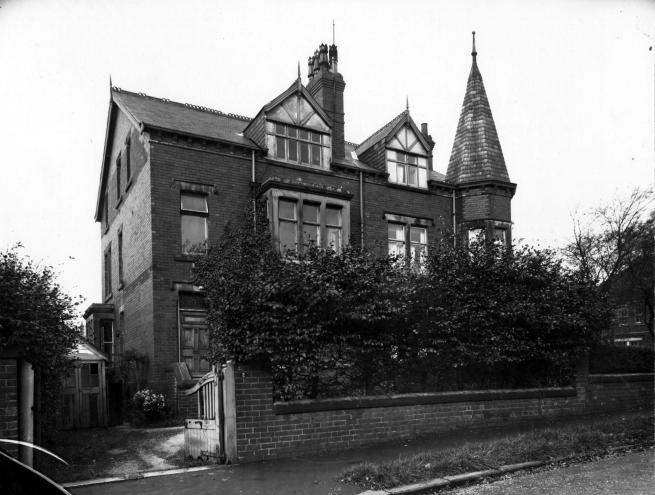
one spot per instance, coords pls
(85, 390)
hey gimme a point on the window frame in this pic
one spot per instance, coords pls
(408, 225)
(188, 212)
(119, 242)
(313, 147)
(300, 198)
(107, 272)
(406, 164)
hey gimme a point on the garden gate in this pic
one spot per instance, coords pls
(212, 435)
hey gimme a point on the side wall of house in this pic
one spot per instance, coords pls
(129, 213)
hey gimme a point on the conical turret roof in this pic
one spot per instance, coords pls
(476, 153)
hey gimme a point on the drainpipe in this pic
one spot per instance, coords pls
(361, 207)
(454, 223)
(254, 200)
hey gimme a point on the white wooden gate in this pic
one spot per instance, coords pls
(203, 436)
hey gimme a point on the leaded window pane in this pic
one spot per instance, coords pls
(316, 137)
(391, 170)
(293, 150)
(316, 154)
(279, 128)
(292, 132)
(304, 152)
(279, 147)
(412, 178)
(303, 134)
(411, 159)
(400, 174)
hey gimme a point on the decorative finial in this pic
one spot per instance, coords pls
(298, 69)
(299, 80)
(110, 84)
(407, 103)
(333, 42)
(474, 52)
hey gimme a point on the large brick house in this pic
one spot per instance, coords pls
(174, 174)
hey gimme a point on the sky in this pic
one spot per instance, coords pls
(571, 86)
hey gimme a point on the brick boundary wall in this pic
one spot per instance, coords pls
(267, 429)
(9, 402)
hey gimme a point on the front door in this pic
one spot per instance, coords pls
(194, 336)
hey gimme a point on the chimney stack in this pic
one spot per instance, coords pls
(326, 85)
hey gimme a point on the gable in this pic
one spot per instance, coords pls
(406, 139)
(298, 111)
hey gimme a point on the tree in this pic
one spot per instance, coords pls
(614, 244)
(37, 320)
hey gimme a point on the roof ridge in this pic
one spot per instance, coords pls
(186, 105)
(354, 145)
(388, 124)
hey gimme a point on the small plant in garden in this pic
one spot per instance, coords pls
(151, 404)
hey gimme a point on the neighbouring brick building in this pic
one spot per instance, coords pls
(174, 174)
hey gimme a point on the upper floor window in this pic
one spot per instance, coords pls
(407, 169)
(298, 145)
(107, 337)
(119, 192)
(120, 257)
(301, 220)
(193, 222)
(126, 157)
(500, 236)
(107, 271)
(476, 235)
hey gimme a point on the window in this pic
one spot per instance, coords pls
(415, 248)
(105, 211)
(118, 178)
(476, 235)
(500, 236)
(407, 169)
(107, 337)
(418, 247)
(194, 341)
(622, 315)
(302, 220)
(193, 221)
(120, 257)
(126, 157)
(107, 263)
(297, 145)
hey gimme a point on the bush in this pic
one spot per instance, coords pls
(152, 405)
(352, 323)
(615, 359)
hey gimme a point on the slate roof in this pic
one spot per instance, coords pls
(476, 153)
(380, 133)
(183, 118)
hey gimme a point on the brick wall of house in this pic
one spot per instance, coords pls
(266, 429)
(130, 214)
(9, 401)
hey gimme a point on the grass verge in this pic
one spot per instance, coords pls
(539, 444)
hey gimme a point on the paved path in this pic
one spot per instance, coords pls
(629, 474)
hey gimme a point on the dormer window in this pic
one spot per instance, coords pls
(302, 146)
(407, 158)
(407, 169)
